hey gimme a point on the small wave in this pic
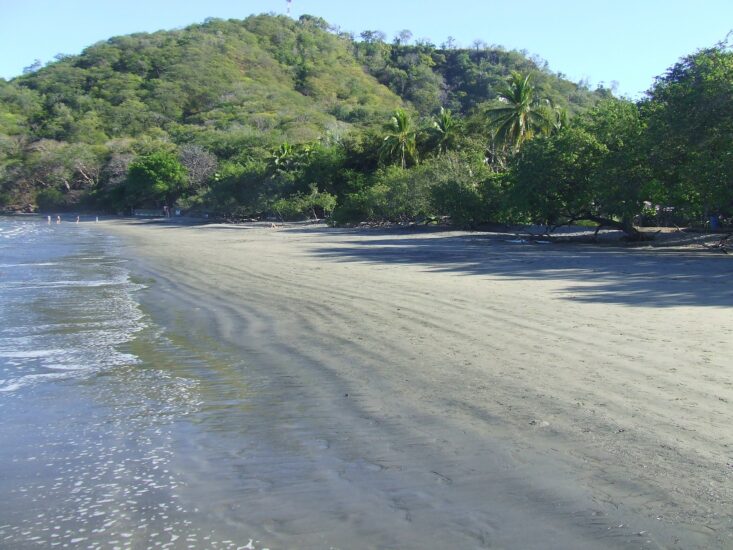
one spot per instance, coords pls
(73, 363)
(61, 284)
(22, 229)
(30, 264)
(85, 345)
(69, 305)
(14, 384)
(32, 354)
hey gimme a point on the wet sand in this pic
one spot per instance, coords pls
(443, 389)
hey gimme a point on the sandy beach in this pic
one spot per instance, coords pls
(453, 390)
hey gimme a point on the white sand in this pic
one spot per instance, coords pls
(454, 390)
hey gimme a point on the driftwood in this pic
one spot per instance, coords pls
(631, 233)
(723, 244)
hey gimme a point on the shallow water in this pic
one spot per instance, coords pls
(96, 402)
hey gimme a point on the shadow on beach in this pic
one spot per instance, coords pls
(593, 273)
(654, 275)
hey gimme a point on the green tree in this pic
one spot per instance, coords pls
(316, 203)
(283, 158)
(623, 180)
(690, 131)
(50, 199)
(557, 118)
(400, 142)
(570, 176)
(553, 177)
(157, 177)
(447, 130)
(463, 187)
(520, 115)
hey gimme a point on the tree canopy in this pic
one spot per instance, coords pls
(273, 116)
(157, 177)
(690, 117)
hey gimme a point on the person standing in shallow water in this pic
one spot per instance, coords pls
(58, 219)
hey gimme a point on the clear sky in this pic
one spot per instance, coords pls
(627, 41)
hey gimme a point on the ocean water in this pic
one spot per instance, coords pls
(96, 402)
(67, 305)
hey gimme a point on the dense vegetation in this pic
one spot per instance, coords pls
(274, 117)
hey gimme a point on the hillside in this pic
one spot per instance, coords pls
(264, 73)
(236, 90)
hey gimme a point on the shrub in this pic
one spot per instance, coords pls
(395, 194)
(50, 199)
(462, 201)
(299, 205)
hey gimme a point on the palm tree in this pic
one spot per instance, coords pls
(447, 129)
(520, 116)
(400, 141)
(557, 117)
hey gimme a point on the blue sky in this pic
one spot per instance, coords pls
(627, 41)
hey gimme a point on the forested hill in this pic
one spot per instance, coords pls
(293, 78)
(236, 89)
(266, 74)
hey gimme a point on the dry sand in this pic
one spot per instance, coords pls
(456, 390)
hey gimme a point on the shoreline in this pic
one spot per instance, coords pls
(489, 393)
(673, 239)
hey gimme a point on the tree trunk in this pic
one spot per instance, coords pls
(626, 225)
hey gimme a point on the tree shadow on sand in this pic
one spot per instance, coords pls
(592, 273)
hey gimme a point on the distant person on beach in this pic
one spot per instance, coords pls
(58, 219)
(49, 220)
(77, 219)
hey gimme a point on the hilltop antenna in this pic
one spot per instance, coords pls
(289, 3)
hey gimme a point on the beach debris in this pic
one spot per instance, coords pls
(723, 244)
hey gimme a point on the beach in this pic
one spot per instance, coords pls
(463, 390)
(352, 388)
